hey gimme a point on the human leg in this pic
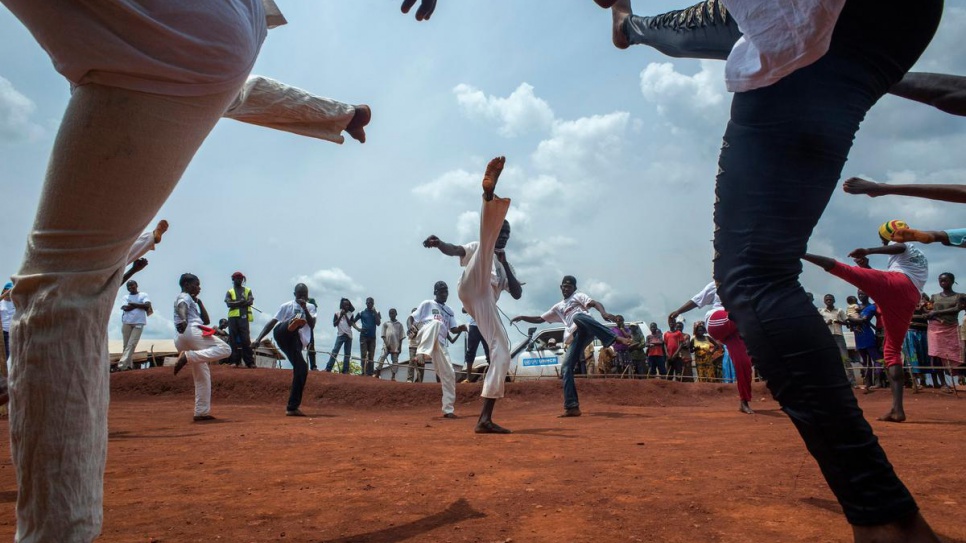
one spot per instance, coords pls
(245, 343)
(723, 329)
(766, 211)
(202, 377)
(131, 334)
(395, 365)
(346, 353)
(290, 344)
(704, 30)
(428, 345)
(473, 340)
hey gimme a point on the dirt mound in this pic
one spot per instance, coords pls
(265, 386)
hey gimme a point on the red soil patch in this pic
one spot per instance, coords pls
(374, 462)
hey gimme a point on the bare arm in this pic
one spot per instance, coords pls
(204, 312)
(516, 290)
(182, 311)
(531, 320)
(688, 306)
(941, 91)
(447, 249)
(893, 249)
(603, 312)
(945, 193)
(268, 328)
(136, 266)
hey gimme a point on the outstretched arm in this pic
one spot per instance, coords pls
(603, 312)
(136, 266)
(942, 91)
(447, 249)
(945, 193)
(688, 306)
(268, 328)
(531, 320)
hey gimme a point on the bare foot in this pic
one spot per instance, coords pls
(745, 408)
(295, 324)
(606, 3)
(911, 234)
(180, 364)
(357, 126)
(492, 175)
(619, 13)
(855, 185)
(159, 230)
(490, 427)
(912, 529)
(893, 416)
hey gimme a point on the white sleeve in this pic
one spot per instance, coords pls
(585, 300)
(706, 296)
(551, 315)
(469, 250)
(312, 310)
(280, 314)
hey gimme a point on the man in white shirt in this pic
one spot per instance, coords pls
(137, 306)
(835, 317)
(392, 336)
(435, 321)
(580, 329)
(486, 274)
(805, 73)
(293, 332)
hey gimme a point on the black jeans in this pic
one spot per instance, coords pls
(783, 152)
(240, 338)
(367, 353)
(474, 339)
(312, 364)
(291, 344)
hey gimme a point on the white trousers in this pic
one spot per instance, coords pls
(273, 104)
(131, 333)
(200, 351)
(428, 344)
(476, 293)
(141, 246)
(117, 156)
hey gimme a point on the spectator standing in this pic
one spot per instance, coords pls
(135, 311)
(370, 319)
(638, 354)
(915, 350)
(835, 318)
(679, 355)
(656, 352)
(621, 351)
(392, 336)
(239, 300)
(343, 322)
(944, 342)
(703, 347)
(6, 316)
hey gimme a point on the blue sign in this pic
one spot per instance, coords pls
(544, 361)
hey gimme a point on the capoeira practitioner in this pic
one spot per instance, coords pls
(581, 329)
(896, 292)
(196, 343)
(293, 332)
(435, 321)
(804, 75)
(484, 279)
(723, 329)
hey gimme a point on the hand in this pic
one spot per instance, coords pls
(126, 307)
(431, 242)
(859, 253)
(425, 11)
(854, 185)
(256, 343)
(181, 327)
(931, 315)
(515, 319)
(862, 262)
(301, 302)
(139, 264)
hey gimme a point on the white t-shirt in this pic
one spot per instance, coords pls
(290, 310)
(6, 313)
(433, 310)
(193, 313)
(833, 315)
(392, 335)
(780, 36)
(344, 326)
(708, 296)
(565, 310)
(135, 316)
(912, 263)
(498, 276)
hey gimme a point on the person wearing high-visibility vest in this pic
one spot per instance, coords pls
(239, 300)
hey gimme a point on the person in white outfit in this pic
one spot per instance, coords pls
(196, 342)
(136, 308)
(484, 279)
(435, 321)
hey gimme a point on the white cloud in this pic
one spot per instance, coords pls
(687, 102)
(15, 112)
(580, 148)
(468, 225)
(519, 113)
(452, 182)
(332, 282)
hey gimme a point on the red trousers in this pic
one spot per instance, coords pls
(894, 295)
(723, 329)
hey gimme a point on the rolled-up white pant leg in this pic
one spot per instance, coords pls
(266, 102)
(141, 246)
(117, 156)
(202, 375)
(475, 292)
(428, 340)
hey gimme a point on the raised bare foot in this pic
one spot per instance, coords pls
(893, 416)
(295, 324)
(855, 185)
(490, 427)
(745, 408)
(605, 3)
(181, 363)
(619, 12)
(911, 234)
(159, 230)
(357, 126)
(492, 175)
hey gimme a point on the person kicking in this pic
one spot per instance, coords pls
(293, 330)
(484, 279)
(435, 320)
(573, 312)
(896, 291)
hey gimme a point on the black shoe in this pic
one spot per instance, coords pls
(491, 427)
(450, 416)
(572, 412)
(294, 413)
(201, 418)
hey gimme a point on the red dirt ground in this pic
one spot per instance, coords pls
(374, 462)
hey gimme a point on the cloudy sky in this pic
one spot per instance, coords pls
(611, 157)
